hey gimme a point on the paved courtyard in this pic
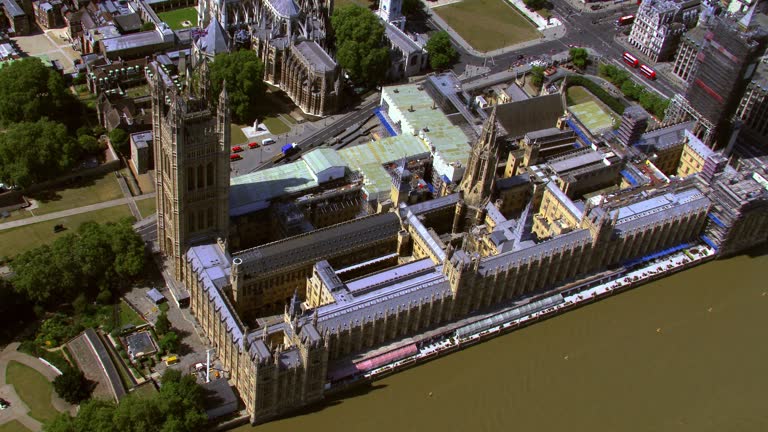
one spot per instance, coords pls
(51, 45)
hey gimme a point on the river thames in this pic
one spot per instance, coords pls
(686, 353)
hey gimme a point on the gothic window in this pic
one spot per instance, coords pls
(191, 221)
(201, 220)
(210, 217)
(190, 178)
(209, 174)
(200, 179)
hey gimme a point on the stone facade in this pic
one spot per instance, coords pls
(192, 145)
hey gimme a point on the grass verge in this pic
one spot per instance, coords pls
(146, 206)
(276, 126)
(13, 426)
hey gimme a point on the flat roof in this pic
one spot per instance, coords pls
(133, 40)
(415, 105)
(253, 191)
(572, 163)
(370, 158)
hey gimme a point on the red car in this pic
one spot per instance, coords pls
(237, 149)
(253, 145)
(234, 157)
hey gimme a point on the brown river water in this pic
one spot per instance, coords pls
(686, 353)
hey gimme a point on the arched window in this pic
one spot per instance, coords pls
(210, 217)
(201, 220)
(191, 222)
(209, 174)
(200, 179)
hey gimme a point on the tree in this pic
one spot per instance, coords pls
(72, 386)
(178, 406)
(360, 47)
(412, 7)
(89, 144)
(579, 57)
(535, 4)
(79, 79)
(34, 152)
(29, 91)
(119, 139)
(441, 52)
(162, 325)
(169, 342)
(92, 260)
(537, 76)
(243, 72)
(630, 89)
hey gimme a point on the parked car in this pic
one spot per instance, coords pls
(237, 149)
(235, 157)
(267, 141)
(253, 145)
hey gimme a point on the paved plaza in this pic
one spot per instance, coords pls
(50, 45)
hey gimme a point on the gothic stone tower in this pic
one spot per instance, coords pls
(192, 144)
(480, 176)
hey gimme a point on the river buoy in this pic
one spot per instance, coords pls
(710, 309)
(658, 330)
(430, 394)
(565, 358)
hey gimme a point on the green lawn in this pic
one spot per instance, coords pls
(129, 316)
(145, 391)
(174, 18)
(577, 95)
(137, 91)
(85, 192)
(276, 126)
(488, 24)
(33, 388)
(238, 137)
(21, 239)
(13, 426)
(146, 206)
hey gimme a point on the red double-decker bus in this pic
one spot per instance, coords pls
(631, 60)
(648, 72)
(626, 19)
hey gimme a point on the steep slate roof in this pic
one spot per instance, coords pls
(215, 41)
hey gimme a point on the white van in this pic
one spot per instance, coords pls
(267, 141)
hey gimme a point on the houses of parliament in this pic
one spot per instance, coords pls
(287, 315)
